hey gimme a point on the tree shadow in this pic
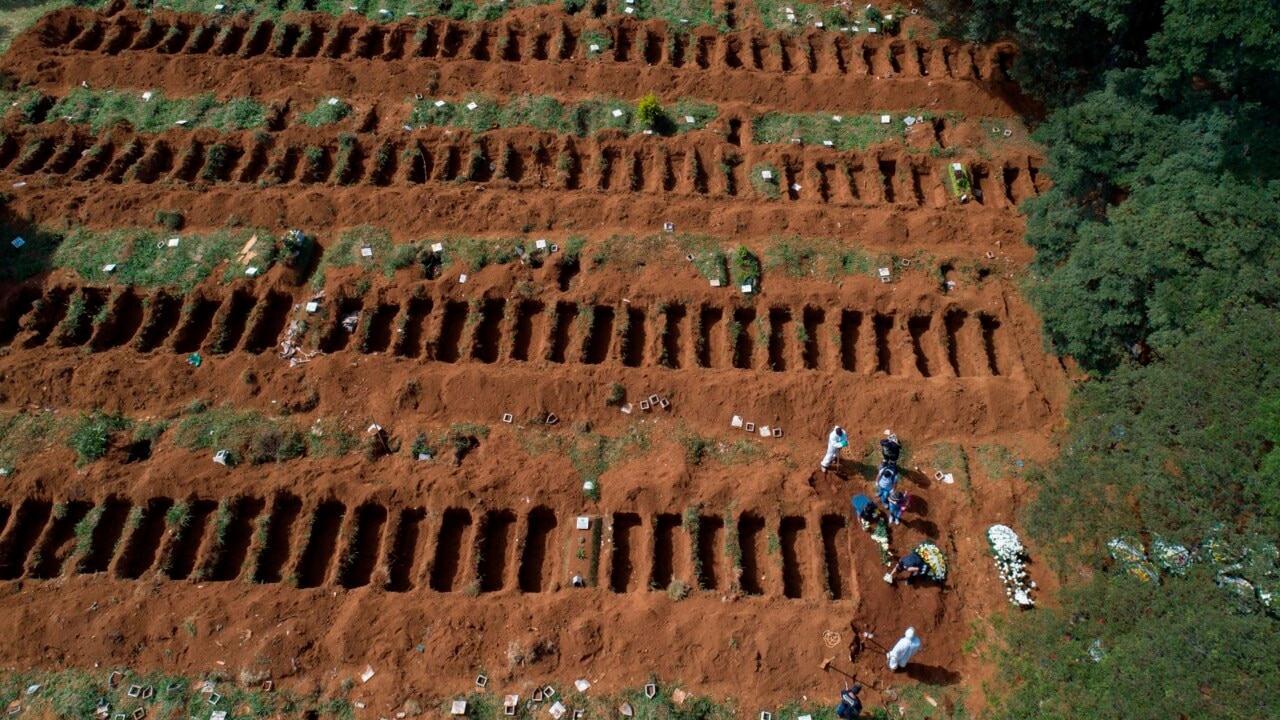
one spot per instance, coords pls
(932, 674)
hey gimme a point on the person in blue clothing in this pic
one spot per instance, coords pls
(887, 481)
(912, 567)
(865, 509)
(898, 502)
(850, 704)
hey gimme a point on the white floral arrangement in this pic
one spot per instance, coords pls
(1011, 559)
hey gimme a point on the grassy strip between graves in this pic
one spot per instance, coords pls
(141, 257)
(76, 693)
(81, 694)
(147, 111)
(844, 132)
(371, 9)
(680, 15)
(246, 435)
(153, 112)
(479, 113)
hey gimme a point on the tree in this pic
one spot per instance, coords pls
(649, 111)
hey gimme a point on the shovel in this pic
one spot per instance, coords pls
(826, 665)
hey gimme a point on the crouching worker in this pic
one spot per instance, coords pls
(866, 510)
(911, 566)
(850, 705)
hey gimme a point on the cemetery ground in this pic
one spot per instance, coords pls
(508, 351)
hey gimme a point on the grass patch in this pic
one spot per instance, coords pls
(996, 461)
(951, 458)
(590, 453)
(25, 434)
(850, 132)
(244, 435)
(681, 15)
(595, 43)
(327, 111)
(100, 109)
(330, 438)
(627, 252)
(457, 440)
(745, 268)
(819, 258)
(347, 249)
(91, 434)
(143, 257)
(76, 693)
(699, 449)
(766, 181)
(548, 114)
(18, 16)
(395, 9)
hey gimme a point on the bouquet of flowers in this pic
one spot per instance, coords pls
(1011, 562)
(1170, 556)
(933, 559)
(1132, 556)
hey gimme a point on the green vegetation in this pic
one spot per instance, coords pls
(103, 109)
(766, 181)
(327, 111)
(243, 434)
(595, 43)
(648, 110)
(590, 453)
(91, 433)
(849, 132)
(459, 439)
(396, 9)
(142, 257)
(542, 112)
(18, 16)
(698, 448)
(745, 268)
(83, 531)
(825, 258)
(1157, 269)
(681, 15)
(76, 693)
(329, 437)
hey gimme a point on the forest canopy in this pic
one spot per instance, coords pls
(1158, 270)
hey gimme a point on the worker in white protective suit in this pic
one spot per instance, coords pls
(904, 650)
(837, 440)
